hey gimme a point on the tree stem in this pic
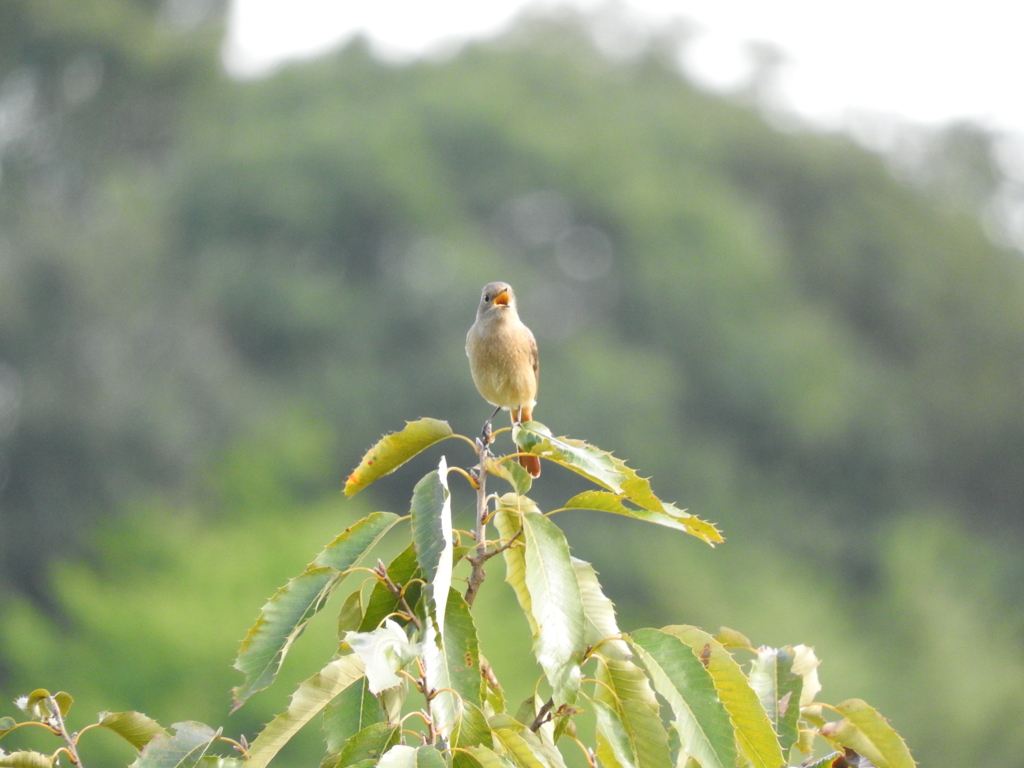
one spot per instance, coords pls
(476, 577)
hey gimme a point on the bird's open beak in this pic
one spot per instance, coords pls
(502, 299)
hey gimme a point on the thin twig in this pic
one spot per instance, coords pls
(57, 723)
(382, 574)
(543, 716)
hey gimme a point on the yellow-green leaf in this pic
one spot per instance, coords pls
(134, 727)
(393, 450)
(184, 749)
(754, 732)
(866, 732)
(310, 698)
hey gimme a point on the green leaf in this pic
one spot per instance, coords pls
(7, 724)
(350, 617)
(401, 756)
(35, 703)
(599, 626)
(351, 711)
(508, 521)
(754, 733)
(522, 745)
(509, 470)
(824, 762)
(730, 638)
(184, 749)
(480, 757)
(134, 727)
(779, 687)
(381, 604)
(638, 490)
(556, 604)
(603, 501)
(431, 521)
(471, 727)
(311, 697)
(214, 761)
(587, 460)
(286, 614)
(612, 731)
(369, 744)
(25, 759)
(64, 702)
(393, 450)
(630, 718)
(452, 664)
(351, 546)
(491, 692)
(866, 732)
(701, 722)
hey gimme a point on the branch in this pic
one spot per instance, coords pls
(382, 573)
(476, 577)
(57, 724)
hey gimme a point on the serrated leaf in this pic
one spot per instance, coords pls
(637, 731)
(431, 522)
(599, 626)
(604, 501)
(779, 688)
(134, 727)
(286, 614)
(480, 757)
(393, 699)
(509, 470)
(730, 638)
(556, 604)
(369, 744)
(824, 762)
(393, 450)
(184, 749)
(865, 731)
(471, 728)
(401, 756)
(508, 521)
(403, 570)
(214, 761)
(638, 490)
(611, 730)
(701, 721)
(522, 745)
(354, 709)
(309, 699)
(754, 733)
(25, 759)
(350, 617)
(452, 664)
(605, 753)
(584, 459)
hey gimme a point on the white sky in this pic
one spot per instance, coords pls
(923, 61)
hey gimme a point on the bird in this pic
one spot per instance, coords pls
(503, 359)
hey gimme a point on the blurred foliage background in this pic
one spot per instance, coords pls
(215, 294)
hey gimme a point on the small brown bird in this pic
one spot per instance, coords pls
(503, 359)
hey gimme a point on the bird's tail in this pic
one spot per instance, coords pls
(530, 463)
